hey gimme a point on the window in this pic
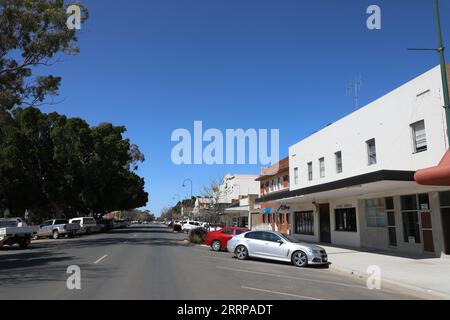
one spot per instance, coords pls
(376, 213)
(271, 237)
(339, 166)
(238, 232)
(310, 171)
(322, 167)
(271, 185)
(257, 235)
(392, 227)
(281, 181)
(419, 137)
(296, 176)
(444, 199)
(410, 216)
(372, 152)
(304, 223)
(346, 220)
(227, 231)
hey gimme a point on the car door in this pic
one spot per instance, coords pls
(45, 230)
(225, 236)
(274, 247)
(255, 243)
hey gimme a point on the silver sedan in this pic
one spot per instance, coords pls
(276, 246)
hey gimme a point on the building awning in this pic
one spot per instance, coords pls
(435, 176)
(369, 178)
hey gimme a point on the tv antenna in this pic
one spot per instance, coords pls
(354, 88)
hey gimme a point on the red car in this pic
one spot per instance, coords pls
(218, 240)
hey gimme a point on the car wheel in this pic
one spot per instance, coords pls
(216, 246)
(55, 234)
(300, 259)
(241, 253)
(23, 244)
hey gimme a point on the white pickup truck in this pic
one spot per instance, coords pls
(58, 228)
(15, 231)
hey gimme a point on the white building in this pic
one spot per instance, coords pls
(237, 186)
(238, 192)
(352, 183)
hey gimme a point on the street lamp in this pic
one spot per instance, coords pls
(184, 186)
(441, 50)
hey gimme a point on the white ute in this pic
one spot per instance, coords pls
(15, 231)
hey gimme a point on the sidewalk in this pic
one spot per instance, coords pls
(430, 275)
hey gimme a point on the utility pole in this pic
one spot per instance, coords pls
(441, 50)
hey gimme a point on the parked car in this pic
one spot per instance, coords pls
(56, 228)
(212, 227)
(276, 246)
(87, 224)
(15, 231)
(190, 225)
(218, 240)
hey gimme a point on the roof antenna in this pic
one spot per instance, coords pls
(354, 88)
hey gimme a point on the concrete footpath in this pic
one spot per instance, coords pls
(429, 275)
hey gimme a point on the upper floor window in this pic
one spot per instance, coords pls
(310, 171)
(372, 152)
(296, 176)
(322, 167)
(339, 166)
(419, 136)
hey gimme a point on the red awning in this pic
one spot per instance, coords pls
(435, 176)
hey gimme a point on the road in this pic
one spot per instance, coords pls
(151, 262)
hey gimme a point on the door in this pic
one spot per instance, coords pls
(427, 231)
(255, 243)
(446, 228)
(273, 248)
(225, 236)
(325, 225)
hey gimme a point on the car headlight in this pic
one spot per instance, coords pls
(314, 251)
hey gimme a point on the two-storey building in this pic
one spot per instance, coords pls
(353, 183)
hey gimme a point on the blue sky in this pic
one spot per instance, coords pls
(159, 65)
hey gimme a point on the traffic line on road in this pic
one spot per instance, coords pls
(280, 293)
(291, 277)
(101, 259)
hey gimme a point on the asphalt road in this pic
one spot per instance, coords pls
(151, 262)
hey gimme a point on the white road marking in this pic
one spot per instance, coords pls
(101, 259)
(291, 277)
(280, 293)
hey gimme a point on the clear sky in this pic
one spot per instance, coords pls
(158, 65)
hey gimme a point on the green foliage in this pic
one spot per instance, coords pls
(33, 33)
(52, 164)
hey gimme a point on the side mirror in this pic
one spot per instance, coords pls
(280, 242)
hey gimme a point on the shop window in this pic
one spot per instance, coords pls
(304, 223)
(410, 217)
(376, 213)
(346, 220)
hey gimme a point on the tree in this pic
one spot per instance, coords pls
(33, 33)
(214, 191)
(52, 164)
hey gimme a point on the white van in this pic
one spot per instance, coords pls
(87, 225)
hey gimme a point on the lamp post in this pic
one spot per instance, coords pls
(184, 186)
(441, 50)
